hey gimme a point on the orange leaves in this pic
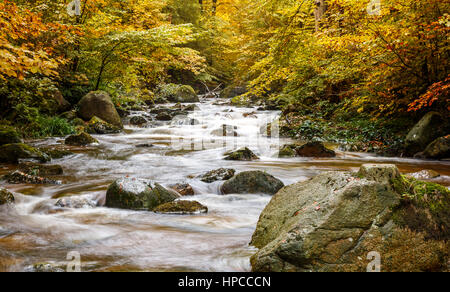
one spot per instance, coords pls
(438, 91)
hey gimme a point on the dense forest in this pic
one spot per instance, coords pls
(224, 135)
(341, 70)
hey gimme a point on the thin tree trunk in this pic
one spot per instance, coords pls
(319, 12)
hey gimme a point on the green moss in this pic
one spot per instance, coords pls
(425, 207)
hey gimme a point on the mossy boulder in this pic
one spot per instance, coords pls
(82, 139)
(438, 149)
(6, 197)
(217, 175)
(9, 135)
(233, 91)
(333, 221)
(164, 116)
(56, 153)
(137, 194)
(184, 94)
(252, 182)
(314, 149)
(12, 153)
(181, 208)
(288, 151)
(40, 169)
(243, 154)
(138, 120)
(101, 127)
(99, 104)
(423, 133)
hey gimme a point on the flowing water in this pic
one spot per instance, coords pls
(35, 231)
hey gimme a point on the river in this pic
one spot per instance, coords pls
(35, 231)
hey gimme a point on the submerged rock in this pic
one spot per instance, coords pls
(243, 154)
(6, 197)
(164, 116)
(82, 139)
(137, 194)
(18, 177)
(252, 182)
(181, 208)
(183, 189)
(40, 169)
(99, 126)
(423, 133)
(217, 174)
(12, 153)
(76, 202)
(9, 135)
(333, 221)
(57, 153)
(438, 149)
(99, 104)
(424, 174)
(314, 149)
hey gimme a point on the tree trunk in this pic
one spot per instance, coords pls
(319, 12)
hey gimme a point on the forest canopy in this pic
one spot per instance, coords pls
(382, 58)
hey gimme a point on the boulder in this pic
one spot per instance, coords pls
(6, 197)
(217, 174)
(184, 94)
(288, 151)
(183, 189)
(9, 135)
(81, 139)
(438, 149)
(181, 208)
(99, 104)
(57, 153)
(252, 182)
(424, 174)
(99, 126)
(138, 120)
(76, 202)
(19, 177)
(333, 221)
(164, 116)
(55, 102)
(40, 169)
(423, 133)
(243, 154)
(314, 149)
(11, 153)
(137, 194)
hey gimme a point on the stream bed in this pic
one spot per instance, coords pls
(34, 231)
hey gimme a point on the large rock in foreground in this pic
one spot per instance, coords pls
(252, 182)
(423, 133)
(99, 104)
(333, 221)
(6, 197)
(137, 194)
(12, 153)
